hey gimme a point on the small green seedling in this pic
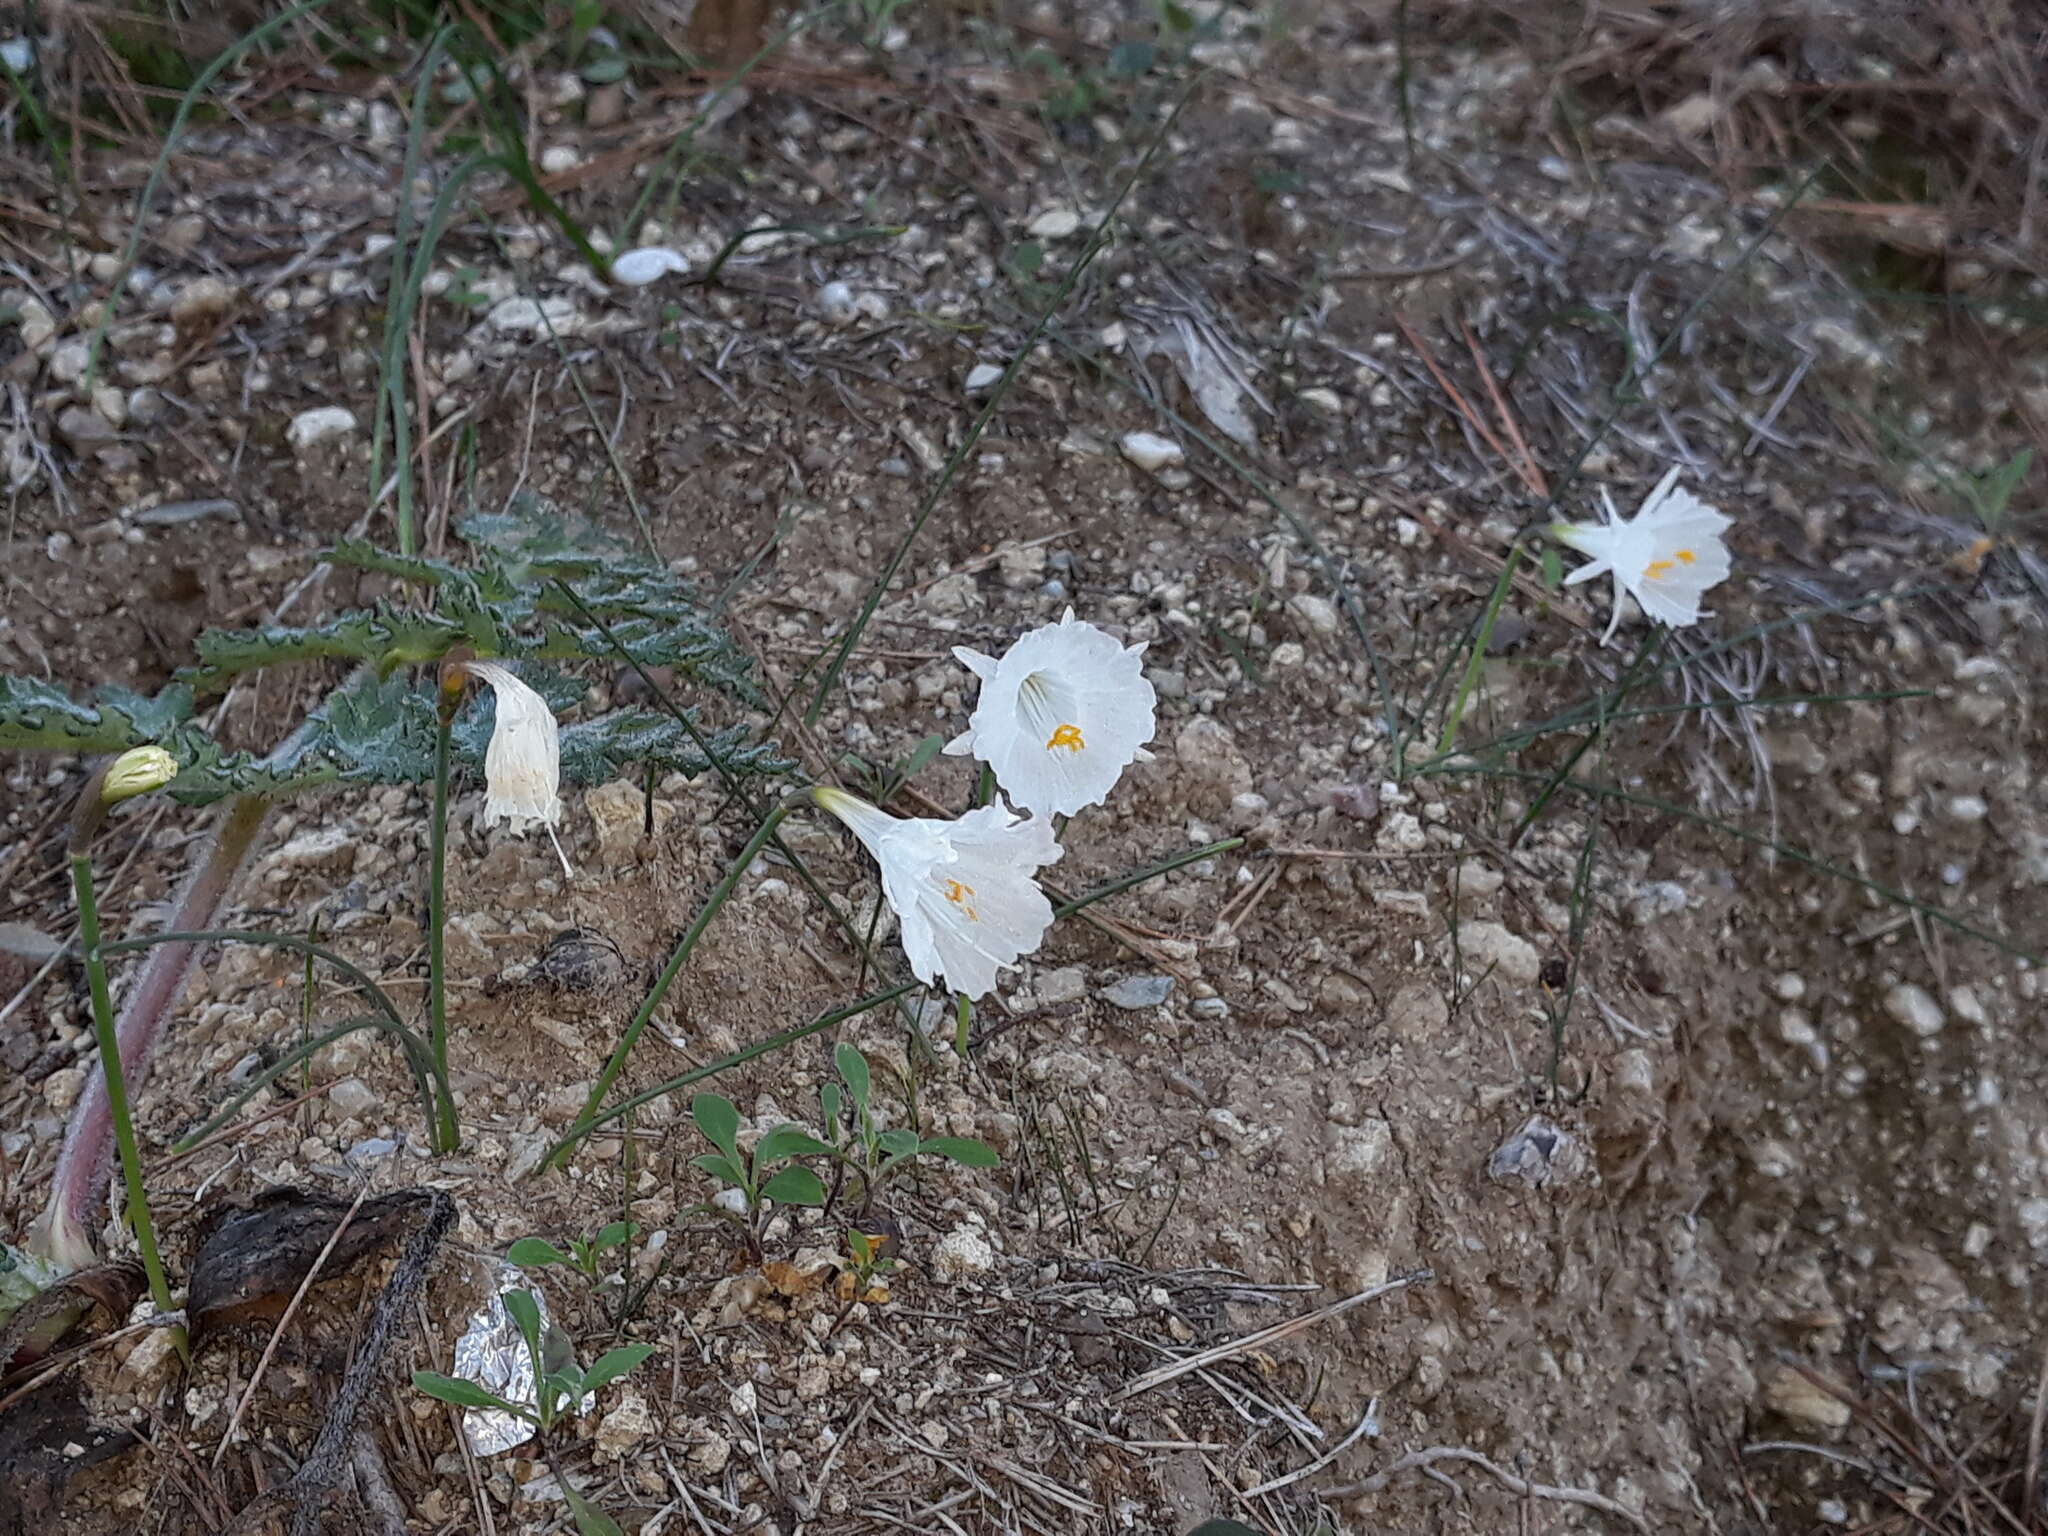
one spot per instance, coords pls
(560, 1389)
(871, 1152)
(584, 1253)
(751, 1186)
(871, 1259)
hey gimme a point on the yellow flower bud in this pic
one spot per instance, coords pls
(136, 772)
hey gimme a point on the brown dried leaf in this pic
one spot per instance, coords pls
(254, 1257)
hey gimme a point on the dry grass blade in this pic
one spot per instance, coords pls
(1264, 1336)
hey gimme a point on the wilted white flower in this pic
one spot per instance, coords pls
(1664, 557)
(523, 764)
(1060, 717)
(963, 890)
(638, 268)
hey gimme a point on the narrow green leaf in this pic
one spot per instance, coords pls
(590, 1520)
(463, 1394)
(854, 1068)
(525, 1313)
(794, 1186)
(614, 1363)
(961, 1149)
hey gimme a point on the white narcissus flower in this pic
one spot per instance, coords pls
(964, 891)
(1664, 557)
(523, 764)
(1060, 717)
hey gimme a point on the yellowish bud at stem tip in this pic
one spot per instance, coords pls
(138, 771)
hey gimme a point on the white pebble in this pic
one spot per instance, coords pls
(638, 268)
(1151, 452)
(1913, 1007)
(319, 425)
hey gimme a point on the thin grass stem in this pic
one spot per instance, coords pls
(591, 1121)
(117, 1089)
(447, 1130)
(676, 960)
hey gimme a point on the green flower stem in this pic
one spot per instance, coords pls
(117, 1088)
(965, 1015)
(447, 1131)
(666, 979)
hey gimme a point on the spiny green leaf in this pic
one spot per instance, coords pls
(39, 716)
(383, 635)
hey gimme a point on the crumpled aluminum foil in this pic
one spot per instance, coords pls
(493, 1354)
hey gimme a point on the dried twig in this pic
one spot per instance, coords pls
(1520, 1487)
(1265, 1336)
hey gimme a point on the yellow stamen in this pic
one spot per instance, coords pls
(1687, 557)
(957, 892)
(1657, 568)
(1068, 736)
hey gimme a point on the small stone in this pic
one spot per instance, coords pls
(1539, 1153)
(1692, 117)
(982, 377)
(1318, 614)
(1327, 401)
(321, 424)
(621, 1430)
(710, 1454)
(1655, 899)
(1135, 993)
(836, 302)
(36, 323)
(1790, 1395)
(83, 429)
(152, 1354)
(1068, 984)
(1964, 1003)
(534, 317)
(68, 362)
(352, 1098)
(1967, 808)
(1915, 1008)
(557, 158)
(1054, 224)
(1489, 947)
(963, 1254)
(619, 812)
(1151, 452)
(1357, 1152)
(201, 302)
(638, 268)
(62, 1087)
(1790, 987)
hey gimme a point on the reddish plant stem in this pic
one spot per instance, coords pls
(79, 1184)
